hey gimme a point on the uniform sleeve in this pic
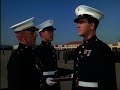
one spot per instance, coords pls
(14, 73)
(105, 69)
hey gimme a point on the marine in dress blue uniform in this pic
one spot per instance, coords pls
(94, 64)
(24, 71)
(48, 57)
(47, 54)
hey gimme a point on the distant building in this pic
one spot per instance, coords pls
(69, 45)
(75, 44)
(116, 45)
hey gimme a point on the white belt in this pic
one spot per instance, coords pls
(49, 73)
(88, 84)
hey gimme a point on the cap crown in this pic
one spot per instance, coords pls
(45, 24)
(23, 25)
(83, 9)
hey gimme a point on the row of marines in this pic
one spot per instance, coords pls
(36, 68)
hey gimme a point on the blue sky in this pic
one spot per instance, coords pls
(62, 12)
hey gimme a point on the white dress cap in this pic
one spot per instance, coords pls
(45, 24)
(82, 9)
(24, 25)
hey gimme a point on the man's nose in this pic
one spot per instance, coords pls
(78, 25)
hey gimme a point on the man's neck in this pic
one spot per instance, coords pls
(27, 44)
(86, 37)
(46, 41)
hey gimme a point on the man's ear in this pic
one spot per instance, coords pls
(92, 25)
(41, 34)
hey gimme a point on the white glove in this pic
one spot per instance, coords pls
(50, 81)
(71, 76)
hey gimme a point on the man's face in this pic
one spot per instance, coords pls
(47, 35)
(29, 37)
(83, 27)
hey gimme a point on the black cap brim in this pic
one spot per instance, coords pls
(79, 17)
(49, 28)
(32, 29)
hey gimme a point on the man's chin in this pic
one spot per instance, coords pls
(79, 34)
(51, 40)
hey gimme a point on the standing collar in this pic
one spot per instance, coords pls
(93, 38)
(46, 43)
(23, 46)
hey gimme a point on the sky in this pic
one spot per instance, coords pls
(63, 14)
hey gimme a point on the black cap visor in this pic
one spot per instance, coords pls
(80, 17)
(50, 28)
